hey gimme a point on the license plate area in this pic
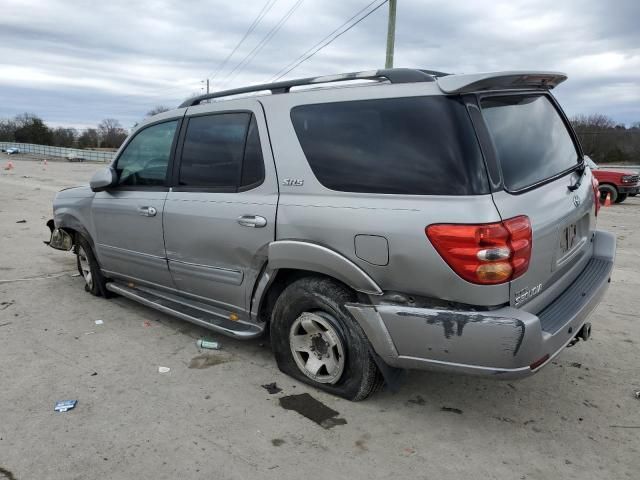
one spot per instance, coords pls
(568, 238)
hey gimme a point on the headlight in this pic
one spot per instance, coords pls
(629, 178)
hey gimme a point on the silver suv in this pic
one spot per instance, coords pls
(409, 219)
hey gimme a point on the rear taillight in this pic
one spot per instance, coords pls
(596, 193)
(486, 254)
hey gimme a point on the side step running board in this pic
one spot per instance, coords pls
(237, 329)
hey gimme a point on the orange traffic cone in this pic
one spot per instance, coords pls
(607, 201)
(9, 165)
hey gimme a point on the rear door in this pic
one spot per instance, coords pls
(536, 155)
(220, 213)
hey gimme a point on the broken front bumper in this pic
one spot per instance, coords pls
(509, 342)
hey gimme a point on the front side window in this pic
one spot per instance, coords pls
(530, 138)
(221, 151)
(411, 146)
(145, 159)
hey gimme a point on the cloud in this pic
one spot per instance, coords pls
(74, 62)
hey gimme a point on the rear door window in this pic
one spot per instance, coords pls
(413, 146)
(530, 138)
(213, 150)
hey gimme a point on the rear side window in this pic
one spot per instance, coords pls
(531, 140)
(413, 146)
(221, 151)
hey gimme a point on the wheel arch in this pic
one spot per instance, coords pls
(290, 260)
(72, 225)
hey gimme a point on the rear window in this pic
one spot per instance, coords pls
(531, 140)
(413, 146)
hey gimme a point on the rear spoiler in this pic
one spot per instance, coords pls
(499, 81)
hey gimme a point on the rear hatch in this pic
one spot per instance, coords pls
(537, 156)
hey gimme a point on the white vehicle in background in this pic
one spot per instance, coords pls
(12, 150)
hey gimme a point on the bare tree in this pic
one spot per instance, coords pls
(64, 137)
(111, 133)
(157, 109)
(89, 138)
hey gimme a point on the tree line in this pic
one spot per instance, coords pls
(601, 137)
(29, 128)
(605, 141)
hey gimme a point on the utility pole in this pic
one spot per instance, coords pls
(202, 81)
(391, 34)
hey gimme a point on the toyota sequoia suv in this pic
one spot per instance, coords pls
(369, 222)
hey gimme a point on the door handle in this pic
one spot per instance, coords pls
(254, 221)
(147, 211)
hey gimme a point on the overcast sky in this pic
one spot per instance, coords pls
(76, 62)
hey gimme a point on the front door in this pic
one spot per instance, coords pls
(128, 217)
(220, 213)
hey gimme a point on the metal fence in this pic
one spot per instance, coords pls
(74, 153)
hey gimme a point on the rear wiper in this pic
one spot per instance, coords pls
(580, 171)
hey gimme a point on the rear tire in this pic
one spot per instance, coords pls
(89, 270)
(605, 189)
(621, 197)
(315, 339)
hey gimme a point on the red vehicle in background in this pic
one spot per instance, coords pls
(619, 183)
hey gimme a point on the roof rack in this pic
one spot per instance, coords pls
(393, 75)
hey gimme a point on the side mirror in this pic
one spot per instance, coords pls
(103, 179)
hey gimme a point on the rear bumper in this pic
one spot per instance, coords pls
(503, 342)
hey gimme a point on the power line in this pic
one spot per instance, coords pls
(307, 57)
(265, 9)
(251, 55)
(323, 40)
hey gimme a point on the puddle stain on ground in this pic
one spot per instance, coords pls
(4, 473)
(206, 360)
(276, 442)
(314, 410)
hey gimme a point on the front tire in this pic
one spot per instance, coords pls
(315, 339)
(621, 197)
(89, 270)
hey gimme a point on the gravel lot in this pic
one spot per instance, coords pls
(210, 417)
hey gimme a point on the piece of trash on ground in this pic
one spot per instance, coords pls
(146, 323)
(164, 369)
(452, 410)
(21, 221)
(75, 275)
(272, 388)
(209, 344)
(99, 322)
(637, 394)
(89, 333)
(65, 405)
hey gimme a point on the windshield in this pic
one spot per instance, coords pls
(530, 138)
